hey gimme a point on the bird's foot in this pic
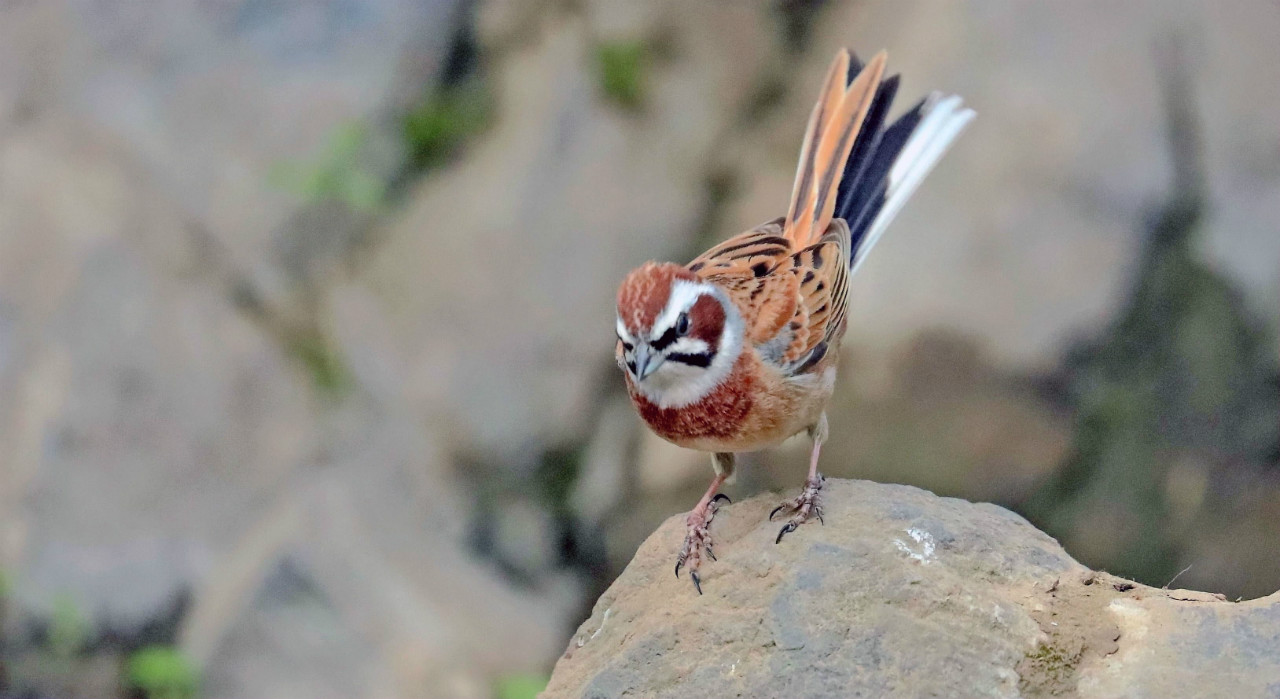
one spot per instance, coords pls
(697, 542)
(804, 505)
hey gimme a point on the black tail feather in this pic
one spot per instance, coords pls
(861, 193)
(868, 199)
(864, 147)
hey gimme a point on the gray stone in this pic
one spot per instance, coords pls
(519, 249)
(955, 600)
(144, 419)
(157, 441)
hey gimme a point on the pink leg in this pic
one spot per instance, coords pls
(807, 503)
(698, 538)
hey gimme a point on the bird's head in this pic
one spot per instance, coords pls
(678, 335)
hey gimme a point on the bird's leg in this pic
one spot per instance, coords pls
(697, 540)
(807, 503)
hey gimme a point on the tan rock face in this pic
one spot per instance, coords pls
(499, 277)
(903, 593)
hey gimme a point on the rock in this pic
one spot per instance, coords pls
(603, 480)
(140, 411)
(903, 593)
(356, 584)
(563, 193)
(160, 447)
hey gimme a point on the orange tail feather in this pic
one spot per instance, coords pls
(833, 127)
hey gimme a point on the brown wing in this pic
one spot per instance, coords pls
(744, 266)
(822, 274)
(762, 244)
(791, 301)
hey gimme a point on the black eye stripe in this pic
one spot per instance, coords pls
(702, 359)
(667, 338)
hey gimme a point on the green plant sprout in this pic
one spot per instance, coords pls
(163, 672)
(621, 66)
(336, 174)
(438, 127)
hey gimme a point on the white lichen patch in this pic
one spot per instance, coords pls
(924, 545)
(603, 620)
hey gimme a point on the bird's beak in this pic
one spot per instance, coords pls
(647, 361)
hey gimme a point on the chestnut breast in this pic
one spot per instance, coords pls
(719, 416)
(754, 408)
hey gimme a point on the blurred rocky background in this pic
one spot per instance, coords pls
(306, 376)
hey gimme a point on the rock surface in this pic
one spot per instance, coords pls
(903, 593)
(158, 443)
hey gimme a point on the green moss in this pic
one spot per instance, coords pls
(557, 473)
(1048, 671)
(336, 174)
(445, 121)
(621, 68)
(1052, 660)
(520, 686)
(163, 672)
(323, 361)
(68, 628)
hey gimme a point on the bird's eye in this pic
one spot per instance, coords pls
(682, 324)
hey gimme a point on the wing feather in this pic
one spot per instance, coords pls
(822, 271)
(745, 267)
(792, 302)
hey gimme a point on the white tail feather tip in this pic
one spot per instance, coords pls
(944, 119)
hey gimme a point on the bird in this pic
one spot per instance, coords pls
(737, 350)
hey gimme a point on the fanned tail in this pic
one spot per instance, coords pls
(835, 126)
(888, 164)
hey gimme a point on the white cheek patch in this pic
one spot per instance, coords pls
(675, 384)
(688, 345)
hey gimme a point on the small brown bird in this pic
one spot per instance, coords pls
(737, 350)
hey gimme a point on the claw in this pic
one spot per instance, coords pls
(697, 582)
(786, 529)
(722, 495)
(775, 511)
(711, 554)
(679, 562)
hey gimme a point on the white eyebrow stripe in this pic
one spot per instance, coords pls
(683, 295)
(624, 334)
